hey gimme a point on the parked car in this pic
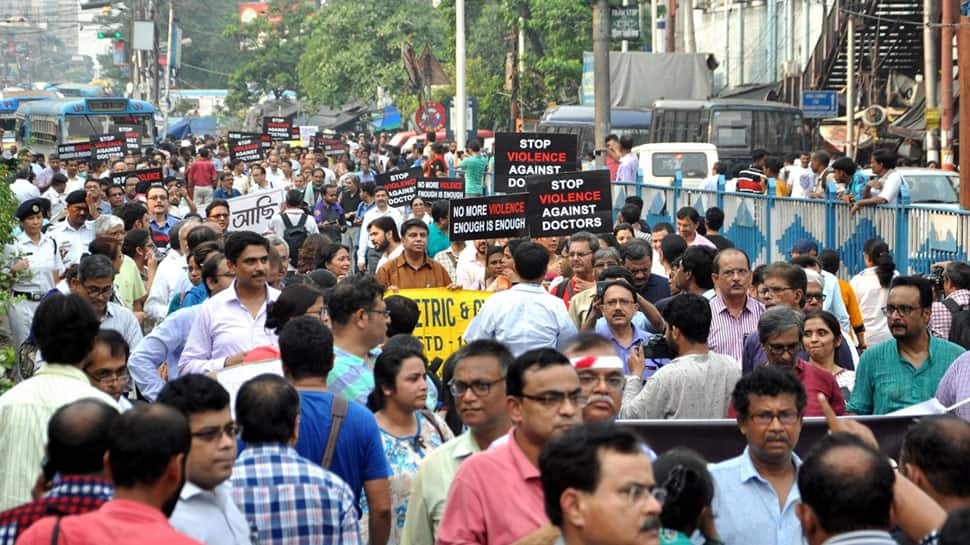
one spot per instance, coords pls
(659, 162)
(930, 187)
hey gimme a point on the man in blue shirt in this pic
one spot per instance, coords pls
(851, 177)
(756, 493)
(225, 189)
(306, 351)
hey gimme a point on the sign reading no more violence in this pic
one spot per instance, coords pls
(476, 218)
(80, 151)
(521, 155)
(150, 175)
(437, 189)
(401, 185)
(561, 204)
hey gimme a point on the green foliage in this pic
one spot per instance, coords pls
(270, 64)
(8, 361)
(355, 47)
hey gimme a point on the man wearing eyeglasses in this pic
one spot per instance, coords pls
(478, 388)
(218, 212)
(95, 284)
(107, 366)
(496, 497)
(205, 510)
(733, 314)
(756, 493)
(161, 221)
(906, 369)
(621, 506)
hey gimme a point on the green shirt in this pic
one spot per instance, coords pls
(128, 283)
(885, 382)
(429, 489)
(474, 168)
(437, 240)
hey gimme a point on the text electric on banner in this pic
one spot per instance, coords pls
(475, 218)
(521, 155)
(401, 185)
(561, 204)
(444, 316)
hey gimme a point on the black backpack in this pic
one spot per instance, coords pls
(959, 323)
(294, 235)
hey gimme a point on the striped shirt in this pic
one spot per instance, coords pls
(955, 386)
(728, 331)
(71, 495)
(290, 500)
(352, 377)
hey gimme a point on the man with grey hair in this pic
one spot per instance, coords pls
(110, 226)
(95, 284)
(780, 332)
(582, 245)
(171, 276)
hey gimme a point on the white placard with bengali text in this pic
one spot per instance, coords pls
(253, 212)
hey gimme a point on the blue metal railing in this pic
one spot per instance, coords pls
(766, 226)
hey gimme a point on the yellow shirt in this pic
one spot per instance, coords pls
(128, 283)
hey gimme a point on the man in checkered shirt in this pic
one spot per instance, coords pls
(286, 498)
(77, 439)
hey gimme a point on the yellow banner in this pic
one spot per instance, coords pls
(445, 315)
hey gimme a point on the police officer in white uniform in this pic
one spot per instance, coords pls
(36, 257)
(74, 233)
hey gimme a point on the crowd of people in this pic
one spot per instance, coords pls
(135, 302)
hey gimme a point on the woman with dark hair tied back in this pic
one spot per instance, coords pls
(300, 299)
(683, 474)
(871, 287)
(408, 430)
(822, 337)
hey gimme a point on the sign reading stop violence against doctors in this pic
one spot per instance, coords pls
(246, 147)
(561, 204)
(521, 155)
(279, 129)
(476, 218)
(401, 185)
(107, 146)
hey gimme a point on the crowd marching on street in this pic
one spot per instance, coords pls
(138, 301)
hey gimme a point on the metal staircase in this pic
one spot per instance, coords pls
(888, 39)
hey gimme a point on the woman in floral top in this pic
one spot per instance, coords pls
(408, 430)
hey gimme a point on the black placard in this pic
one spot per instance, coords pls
(521, 155)
(80, 151)
(132, 138)
(279, 129)
(401, 185)
(245, 146)
(437, 189)
(330, 146)
(150, 175)
(475, 218)
(561, 204)
(108, 146)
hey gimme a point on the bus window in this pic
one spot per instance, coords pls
(730, 129)
(691, 165)
(82, 127)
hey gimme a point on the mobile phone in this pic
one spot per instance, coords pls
(601, 286)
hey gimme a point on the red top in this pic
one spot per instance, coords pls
(815, 380)
(119, 522)
(202, 173)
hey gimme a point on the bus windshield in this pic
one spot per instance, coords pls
(731, 128)
(79, 128)
(8, 123)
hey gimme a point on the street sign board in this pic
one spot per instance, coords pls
(820, 104)
(965, 8)
(625, 23)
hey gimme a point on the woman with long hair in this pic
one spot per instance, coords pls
(822, 338)
(299, 299)
(871, 287)
(408, 430)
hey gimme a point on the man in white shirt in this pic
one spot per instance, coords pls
(470, 274)
(380, 209)
(274, 174)
(205, 510)
(885, 190)
(171, 276)
(295, 214)
(23, 188)
(799, 186)
(57, 194)
(232, 322)
(73, 180)
(526, 316)
(74, 233)
(384, 236)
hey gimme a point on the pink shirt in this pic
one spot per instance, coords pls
(119, 522)
(495, 498)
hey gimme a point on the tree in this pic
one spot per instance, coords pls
(355, 47)
(274, 42)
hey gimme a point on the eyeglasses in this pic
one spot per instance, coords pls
(604, 264)
(94, 291)
(637, 493)
(902, 310)
(619, 303)
(815, 296)
(775, 291)
(385, 312)
(782, 349)
(107, 376)
(734, 272)
(578, 255)
(765, 418)
(218, 216)
(480, 387)
(590, 381)
(554, 400)
(211, 434)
